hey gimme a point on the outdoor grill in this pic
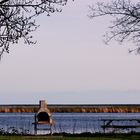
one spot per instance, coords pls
(43, 116)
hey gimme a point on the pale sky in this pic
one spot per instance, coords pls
(70, 64)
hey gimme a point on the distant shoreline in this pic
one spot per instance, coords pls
(87, 108)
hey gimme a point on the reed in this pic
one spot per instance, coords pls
(78, 108)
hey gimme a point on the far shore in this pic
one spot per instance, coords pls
(99, 108)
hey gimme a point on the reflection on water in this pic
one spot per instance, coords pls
(63, 122)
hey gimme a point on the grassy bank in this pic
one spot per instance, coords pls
(125, 137)
(74, 108)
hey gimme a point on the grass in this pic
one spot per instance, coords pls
(103, 137)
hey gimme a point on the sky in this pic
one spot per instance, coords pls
(70, 64)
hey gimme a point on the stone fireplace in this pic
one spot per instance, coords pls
(43, 117)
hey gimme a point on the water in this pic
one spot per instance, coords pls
(65, 122)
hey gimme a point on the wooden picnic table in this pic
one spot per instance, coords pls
(125, 123)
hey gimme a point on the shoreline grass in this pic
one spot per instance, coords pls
(73, 108)
(72, 137)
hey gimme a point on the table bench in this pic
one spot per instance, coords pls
(109, 124)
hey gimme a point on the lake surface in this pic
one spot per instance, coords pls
(65, 122)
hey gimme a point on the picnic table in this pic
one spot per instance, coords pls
(120, 123)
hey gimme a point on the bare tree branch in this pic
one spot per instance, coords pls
(17, 19)
(126, 20)
(3, 1)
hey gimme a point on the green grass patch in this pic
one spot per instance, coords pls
(105, 137)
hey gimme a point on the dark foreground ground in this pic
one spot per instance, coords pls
(73, 137)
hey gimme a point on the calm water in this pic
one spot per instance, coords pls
(65, 122)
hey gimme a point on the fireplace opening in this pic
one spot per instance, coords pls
(43, 116)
